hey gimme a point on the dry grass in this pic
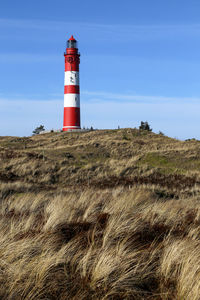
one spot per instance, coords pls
(99, 215)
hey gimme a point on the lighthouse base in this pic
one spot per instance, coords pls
(71, 129)
(71, 118)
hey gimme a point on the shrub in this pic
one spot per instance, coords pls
(145, 126)
(38, 129)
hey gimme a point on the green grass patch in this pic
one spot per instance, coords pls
(165, 165)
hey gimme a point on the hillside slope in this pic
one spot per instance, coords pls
(109, 214)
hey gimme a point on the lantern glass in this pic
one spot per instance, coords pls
(71, 44)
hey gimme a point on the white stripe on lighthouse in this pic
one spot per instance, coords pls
(71, 100)
(71, 78)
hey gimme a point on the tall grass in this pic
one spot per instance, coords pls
(99, 215)
(108, 244)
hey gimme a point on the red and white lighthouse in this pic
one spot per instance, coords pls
(71, 90)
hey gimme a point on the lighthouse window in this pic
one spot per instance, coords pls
(71, 44)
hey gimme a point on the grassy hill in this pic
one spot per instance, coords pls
(109, 214)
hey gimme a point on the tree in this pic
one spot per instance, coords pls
(38, 129)
(145, 126)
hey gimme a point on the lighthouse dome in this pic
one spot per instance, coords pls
(72, 43)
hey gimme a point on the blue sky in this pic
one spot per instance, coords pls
(140, 61)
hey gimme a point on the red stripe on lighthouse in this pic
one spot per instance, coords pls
(71, 89)
(71, 67)
(71, 117)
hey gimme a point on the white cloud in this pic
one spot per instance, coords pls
(174, 118)
(104, 96)
(139, 31)
(27, 58)
(104, 110)
(20, 117)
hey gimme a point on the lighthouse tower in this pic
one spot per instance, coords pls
(71, 90)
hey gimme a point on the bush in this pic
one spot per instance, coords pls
(161, 133)
(145, 126)
(38, 129)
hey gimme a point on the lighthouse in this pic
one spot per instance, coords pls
(71, 120)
